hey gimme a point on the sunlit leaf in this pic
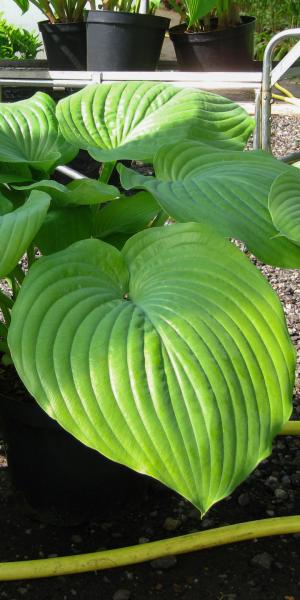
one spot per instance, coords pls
(228, 191)
(284, 205)
(29, 134)
(132, 120)
(171, 357)
(18, 228)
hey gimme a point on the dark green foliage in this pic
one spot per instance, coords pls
(16, 42)
(272, 17)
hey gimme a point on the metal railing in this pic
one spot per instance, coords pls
(269, 78)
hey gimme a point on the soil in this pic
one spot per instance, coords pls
(266, 569)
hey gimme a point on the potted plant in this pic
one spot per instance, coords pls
(117, 37)
(214, 37)
(122, 38)
(161, 347)
(64, 32)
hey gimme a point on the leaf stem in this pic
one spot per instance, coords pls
(106, 171)
(6, 305)
(30, 255)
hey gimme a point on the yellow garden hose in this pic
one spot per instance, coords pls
(109, 559)
(291, 428)
(284, 90)
(286, 97)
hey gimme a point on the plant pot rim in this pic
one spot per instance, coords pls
(180, 30)
(59, 24)
(121, 17)
(27, 411)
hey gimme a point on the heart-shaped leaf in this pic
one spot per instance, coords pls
(29, 134)
(284, 205)
(18, 229)
(78, 192)
(227, 191)
(132, 120)
(171, 356)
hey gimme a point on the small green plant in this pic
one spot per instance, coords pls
(272, 17)
(132, 6)
(162, 347)
(206, 15)
(16, 42)
(59, 11)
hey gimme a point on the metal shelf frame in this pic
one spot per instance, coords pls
(258, 83)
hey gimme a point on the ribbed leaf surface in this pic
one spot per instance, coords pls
(171, 357)
(227, 191)
(18, 229)
(284, 205)
(132, 120)
(29, 134)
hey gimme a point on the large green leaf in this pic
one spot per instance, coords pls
(127, 214)
(196, 9)
(171, 357)
(228, 191)
(132, 120)
(29, 134)
(78, 192)
(18, 229)
(284, 205)
(62, 227)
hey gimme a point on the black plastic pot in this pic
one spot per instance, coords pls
(65, 45)
(119, 41)
(55, 471)
(217, 50)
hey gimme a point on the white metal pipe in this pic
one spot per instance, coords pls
(70, 172)
(266, 95)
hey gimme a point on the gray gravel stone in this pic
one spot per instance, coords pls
(76, 539)
(280, 494)
(263, 560)
(208, 523)
(171, 524)
(143, 540)
(244, 499)
(164, 563)
(122, 595)
(285, 480)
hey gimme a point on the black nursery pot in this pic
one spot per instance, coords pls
(119, 41)
(65, 45)
(55, 471)
(217, 50)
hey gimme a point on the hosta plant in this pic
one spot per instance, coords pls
(160, 346)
